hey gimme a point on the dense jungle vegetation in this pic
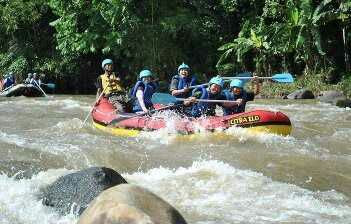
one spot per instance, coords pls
(68, 39)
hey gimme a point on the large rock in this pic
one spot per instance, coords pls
(330, 96)
(73, 192)
(130, 204)
(301, 94)
(343, 103)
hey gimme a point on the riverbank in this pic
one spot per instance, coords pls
(310, 82)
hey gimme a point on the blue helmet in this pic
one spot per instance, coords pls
(105, 62)
(145, 73)
(183, 66)
(217, 80)
(238, 83)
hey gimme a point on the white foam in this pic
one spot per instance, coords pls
(214, 190)
(19, 202)
(69, 125)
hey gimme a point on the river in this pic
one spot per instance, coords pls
(244, 178)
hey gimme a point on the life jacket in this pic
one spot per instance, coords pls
(110, 84)
(184, 82)
(200, 108)
(235, 109)
(149, 90)
(8, 82)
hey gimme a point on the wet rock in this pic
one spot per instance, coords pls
(20, 169)
(73, 192)
(330, 96)
(343, 103)
(126, 204)
(301, 94)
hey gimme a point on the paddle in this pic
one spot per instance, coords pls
(122, 118)
(165, 98)
(92, 107)
(49, 85)
(7, 88)
(247, 76)
(281, 78)
(40, 88)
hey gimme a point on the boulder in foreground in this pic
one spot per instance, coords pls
(130, 204)
(73, 192)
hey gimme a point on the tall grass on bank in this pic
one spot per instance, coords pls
(313, 82)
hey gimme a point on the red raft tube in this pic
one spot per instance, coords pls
(256, 121)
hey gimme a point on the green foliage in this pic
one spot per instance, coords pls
(70, 38)
(16, 14)
(346, 85)
(19, 66)
(311, 81)
(5, 62)
(25, 38)
(284, 29)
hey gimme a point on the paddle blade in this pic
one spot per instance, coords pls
(51, 85)
(163, 98)
(283, 78)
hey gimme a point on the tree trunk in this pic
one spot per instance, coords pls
(347, 60)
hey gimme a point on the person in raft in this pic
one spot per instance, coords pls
(29, 77)
(181, 82)
(36, 81)
(8, 81)
(142, 92)
(110, 86)
(240, 96)
(212, 92)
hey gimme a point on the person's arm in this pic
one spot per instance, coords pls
(231, 104)
(189, 101)
(177, 92)
(140, 97)
(174, 87)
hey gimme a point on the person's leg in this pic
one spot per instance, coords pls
(114, 99)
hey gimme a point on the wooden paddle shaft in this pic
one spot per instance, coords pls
(40, 88)
(209, 101)
(7, 88)
(92, 107)
(251, 78)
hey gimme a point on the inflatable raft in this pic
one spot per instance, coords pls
(130, 124)
(28, 90)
